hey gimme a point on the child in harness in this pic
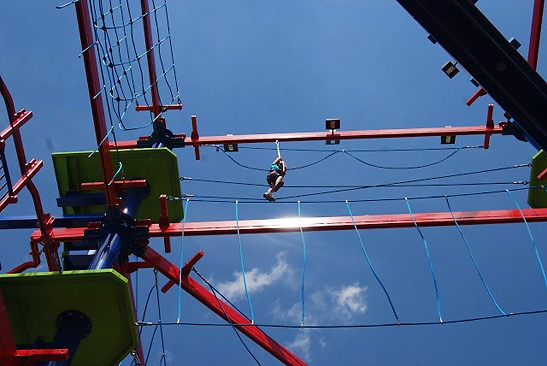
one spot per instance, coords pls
(275, 177)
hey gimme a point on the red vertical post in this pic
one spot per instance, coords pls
(537, 19)
(195, 136)
(95, 97)
(150, 57)
(489, 125)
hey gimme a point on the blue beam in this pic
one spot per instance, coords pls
(30, 222)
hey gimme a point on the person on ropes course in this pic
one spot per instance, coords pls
(275, 177)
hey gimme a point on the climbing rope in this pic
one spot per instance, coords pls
(181, 256)
(370, 264)
(473, 257)
(531, 237)
(242, 266)
(428, 259)
(303, 265)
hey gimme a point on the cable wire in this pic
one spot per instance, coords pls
(428, 259)
(405, 167)
(233, 326)
(354, 326)
(406, 181)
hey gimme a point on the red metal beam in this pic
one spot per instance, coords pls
(535, 34)
(150, 57)
(34, 167)
(327, 223)
(322, 136)
(23, 118)
(221, 309)
(95, 97)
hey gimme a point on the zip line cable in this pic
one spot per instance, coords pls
(243, 267)
(253, 200)
(473, 258)
(428, 259)
(204, 180)
(382, 185)
(371, 266)
(408, 181)
(531, 237)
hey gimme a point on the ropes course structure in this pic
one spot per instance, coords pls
(337, 249)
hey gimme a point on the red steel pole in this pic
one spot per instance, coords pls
(535, 34)
(150, 57)
(95, 97)
(221, 309)
(323, 136)
(286, 225)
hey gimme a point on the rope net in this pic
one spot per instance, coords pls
(128, 81)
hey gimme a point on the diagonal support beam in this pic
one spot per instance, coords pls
(477, 45)
(223, 310)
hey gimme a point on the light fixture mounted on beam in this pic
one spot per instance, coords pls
(450, 69)
(332, 124)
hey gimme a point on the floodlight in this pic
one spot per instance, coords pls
(332, 123)
(231, 147)
(450, 69)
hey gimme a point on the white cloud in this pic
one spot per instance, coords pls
(350, 299)
(256, 280)
(302, 345)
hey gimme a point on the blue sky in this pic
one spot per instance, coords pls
(284, 66)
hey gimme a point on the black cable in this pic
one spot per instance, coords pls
(357, 150)
(353, 156)
(353, 326)
(407, 181)
(233, 326)
(354, 185)
(159, 315)
(267, 170)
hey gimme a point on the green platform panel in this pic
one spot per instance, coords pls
(34, 300)
(158, 166)
(537, 197)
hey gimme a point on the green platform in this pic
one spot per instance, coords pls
(537, 197)
(34, 300)
(158, 166)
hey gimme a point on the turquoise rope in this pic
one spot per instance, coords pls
(531, 237)
(303, 266)
(181, 252)
(370, 264)
(243, 267)
(429, 260)
(473, 257)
